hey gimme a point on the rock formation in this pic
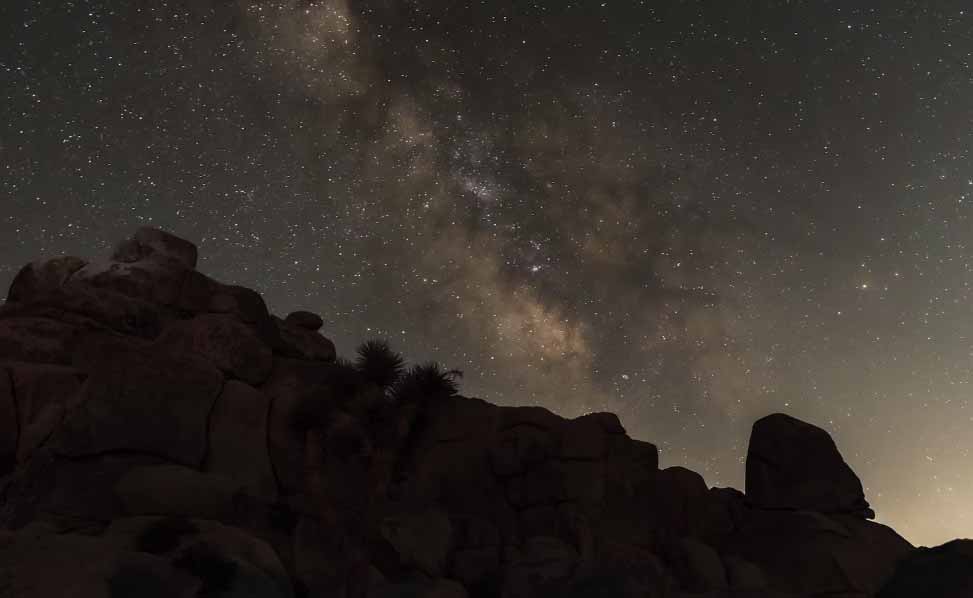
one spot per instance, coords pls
(163, 434)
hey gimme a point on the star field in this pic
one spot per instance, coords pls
(691, 213)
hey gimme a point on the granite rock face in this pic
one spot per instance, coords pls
(794, 465)
(162, 433)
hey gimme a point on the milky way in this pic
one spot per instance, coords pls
(689, 213)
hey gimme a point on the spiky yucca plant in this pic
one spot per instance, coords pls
(426, 381)
(378, 363)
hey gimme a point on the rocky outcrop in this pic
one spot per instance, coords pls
(162, 433)
(153, 401)
(945, 572)
(794, 465)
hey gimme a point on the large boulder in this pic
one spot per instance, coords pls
(462, 420)
(148, 240)
(38, 278)
(226, 342)
(238, 439)
(201, 294)
(90, 348)
(177, 490)
(44, 394)
(678, 502)
(152, 279)
(305, 320)
(152, 265)
(148, 269)
(586, 437)
(300, 341)
(629, 465)
(79, 303)
(792, 464)
(147, 401)
(292, 385)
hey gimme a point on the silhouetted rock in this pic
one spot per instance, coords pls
(38, 278)
(305, 319)
(140, 270)
(161, 431)
(302, 342)
(942, 572)
(794, 465)
(166, 244)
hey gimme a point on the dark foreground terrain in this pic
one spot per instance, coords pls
(163, 435)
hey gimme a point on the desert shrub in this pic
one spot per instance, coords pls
(426, 381)
(215, 570)
(163, 536)
(378, 363)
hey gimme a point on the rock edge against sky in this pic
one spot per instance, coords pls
(161, 431)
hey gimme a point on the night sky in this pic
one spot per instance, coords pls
(691, 213)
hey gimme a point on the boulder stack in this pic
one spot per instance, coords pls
(792, 464)
(162, 433)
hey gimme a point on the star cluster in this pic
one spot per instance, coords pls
(689, 213)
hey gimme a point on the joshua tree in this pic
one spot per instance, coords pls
(378, 363)
(424, 381)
